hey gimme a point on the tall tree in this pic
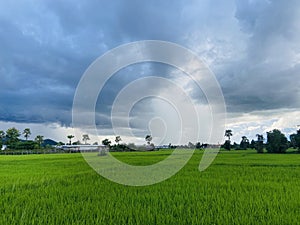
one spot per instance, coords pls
(12, 135)
(276, 142)
(2, 135)
(228, 134)
(26, 133)
(148, 139)
(85, 138)
(106, 142)
(118, 139)
(252, 144)
(70, 137)
(298, 139)
(244, 143)
(39, 139)
(259, 144)
(295, 140)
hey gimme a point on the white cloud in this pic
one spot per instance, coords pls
(250, 124)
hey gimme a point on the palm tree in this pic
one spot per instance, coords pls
(245, 139)
(260, 137)
(39, 139)
(244, 143)
(259, 146)
(26, 133)
(85, 138)
(148, 139)
(106, 142)
(70, 138)
(118, 139)
(228, 134)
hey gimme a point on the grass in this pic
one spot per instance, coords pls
(241, 187)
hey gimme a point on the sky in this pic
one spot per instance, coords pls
(251, 46)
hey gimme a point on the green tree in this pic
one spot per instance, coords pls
(298, 139)
(276, 142)
(295, 140)
(26, 133)
(85, 138)
(106, 142)
(228, 134)
(2, 136)
(190, 145)
(244, 143)
(227, 145)
(26, 145)
(148, 139)
(70, 137)
(252, 144)
(39, 139)
(12, 135)
(198, 145)
(76, 142)
(259, 144)
(118, 139)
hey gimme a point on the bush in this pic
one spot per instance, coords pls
(26, 145)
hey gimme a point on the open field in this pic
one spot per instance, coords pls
(241, 187)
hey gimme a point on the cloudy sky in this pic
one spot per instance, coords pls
(251, 46)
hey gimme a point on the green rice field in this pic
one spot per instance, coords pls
(240, 187)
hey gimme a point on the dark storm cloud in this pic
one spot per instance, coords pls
(47, 45)
(267, 76)
(253, 47)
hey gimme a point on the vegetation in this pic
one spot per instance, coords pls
(70, 137)
(106, 142)
(118, 139)
(12, 135)
(244, 143)
(85, 138)
(2, 136)
(26, 133)
(228, 134)
(276, 142)
(295, 140)
(148, 139)
(39, 139)
(259, 145)
(240, 187)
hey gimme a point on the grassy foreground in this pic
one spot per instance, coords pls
(241, 187)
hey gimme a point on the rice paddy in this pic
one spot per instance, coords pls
(240, 187)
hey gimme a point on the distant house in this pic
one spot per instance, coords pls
(4, 147)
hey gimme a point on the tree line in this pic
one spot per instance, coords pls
(11, 138)
(276, 142)
(12, 141)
